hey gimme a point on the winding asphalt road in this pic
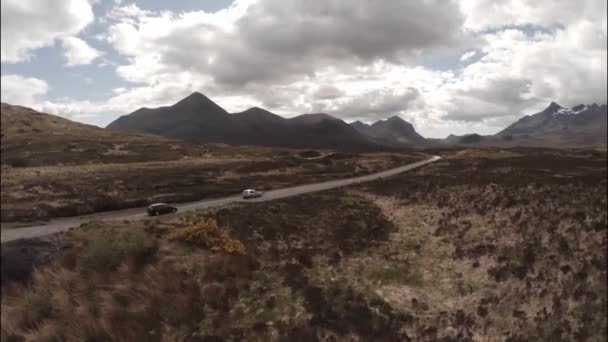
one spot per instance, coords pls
(63, 224)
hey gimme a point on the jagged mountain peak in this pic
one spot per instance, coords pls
(196, 99)
(560, 125)
(256, 109)
(359, 123)
(552, 108)
(396, 118)
(398, 121)
(579, 107)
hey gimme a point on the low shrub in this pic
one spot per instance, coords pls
(207, 233)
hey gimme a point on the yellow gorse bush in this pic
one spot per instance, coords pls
(208, 234)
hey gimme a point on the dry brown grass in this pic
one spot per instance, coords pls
(110, 249)
(510, 256)
(37, 193)
(452, 252)
(30, 138)
(183, 290)
(158, 303)
(107, 287)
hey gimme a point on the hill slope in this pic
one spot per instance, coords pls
(31, 138)
(555, 126)
(196, 118)
(581, 124)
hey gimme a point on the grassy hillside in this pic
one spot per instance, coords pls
(31, 138)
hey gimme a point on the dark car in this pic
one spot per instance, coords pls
(160, 208)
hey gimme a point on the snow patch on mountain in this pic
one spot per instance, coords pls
(570, 111)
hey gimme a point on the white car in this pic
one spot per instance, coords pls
(251, 193)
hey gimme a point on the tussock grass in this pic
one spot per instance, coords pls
(109, 249)
(129, 305)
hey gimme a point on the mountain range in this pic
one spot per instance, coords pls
(555, 126)
(199, 119)
(392, 131)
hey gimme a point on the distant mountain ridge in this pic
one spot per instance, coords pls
(199, 119)
(556, 118)
(555, 126)
(393, 130)
(33, 138)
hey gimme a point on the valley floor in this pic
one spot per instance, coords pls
(484, 245)
(32, 194)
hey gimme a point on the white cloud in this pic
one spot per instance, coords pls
(278, 42)
(468, 55)
(126, 12)
(520, 71)
(355, 59)
(30, 24)
(19, 90)
(488, 14)
(78, 52)
(252, 45)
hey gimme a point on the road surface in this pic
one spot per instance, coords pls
(63, 224)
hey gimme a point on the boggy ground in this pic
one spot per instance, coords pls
(512, 242)
(38, 193)
(485, 245)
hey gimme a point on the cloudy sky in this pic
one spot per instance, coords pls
(446, 66)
